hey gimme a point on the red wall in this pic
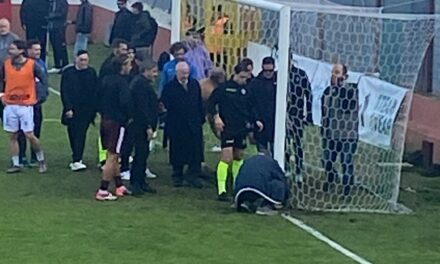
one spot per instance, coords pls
(103, 18)
(5, 9)
(424, 125)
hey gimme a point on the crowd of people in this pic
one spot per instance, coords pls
(123, 92)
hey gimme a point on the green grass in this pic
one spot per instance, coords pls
(53, 218)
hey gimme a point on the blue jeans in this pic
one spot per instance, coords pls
(81, 42)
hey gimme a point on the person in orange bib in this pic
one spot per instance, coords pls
(19, 95)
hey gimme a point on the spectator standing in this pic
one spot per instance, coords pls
(57, 18)
(33, 14)
(122, 24)
(19, 95)
(115, 102)
(83, 26)
(34, 52)
(144, 31)
(79, 86)
(145, 118)
(340, 124)
(6, 39)
(183, 101)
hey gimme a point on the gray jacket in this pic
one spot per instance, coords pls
(5, 41)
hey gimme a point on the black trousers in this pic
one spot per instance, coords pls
(345, 149)
(22, 143)
(77, 132)
(57, 37)
(127, 148)
(38, 32)
(141, 152)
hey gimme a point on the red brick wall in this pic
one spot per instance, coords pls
(103, 18)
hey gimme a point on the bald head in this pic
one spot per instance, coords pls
(182, 72)
(5, 26)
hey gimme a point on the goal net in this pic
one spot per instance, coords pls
(341, 145)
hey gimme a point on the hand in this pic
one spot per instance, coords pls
(260, 126)
(150, 134)
(161, 107)
(219, 125)
(69, 114)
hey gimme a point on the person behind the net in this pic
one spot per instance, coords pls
(231, 107)
(19, 95)
(299, 115)
(216, 77)
(183, 100)
(115, 104)
(340, 122)
(145, 118)
(34, 52)
(79, 87)
(119, 48)
(263, 98)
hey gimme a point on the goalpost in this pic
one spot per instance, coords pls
(383, 53)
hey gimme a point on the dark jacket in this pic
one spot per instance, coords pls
(58, 11)
(185, 120)
(122, 26)
(106, 67)
(145, 103)
(234, 107)
(115, 99)
(144, 30)
(300, 96)
(33, 13)
(84, 18)
(263, 96)
(79, 93)
(340, 112)
(262, 175)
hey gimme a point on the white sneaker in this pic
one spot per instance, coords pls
(150, 175)
(125, 175)
(53, 71)
(152, 145)
(216, 149)
(77, 166)
(299, 178)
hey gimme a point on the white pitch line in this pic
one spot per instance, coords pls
(54, 91)
(325, 239)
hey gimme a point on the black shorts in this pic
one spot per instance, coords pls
(233, 140)
(112, 135)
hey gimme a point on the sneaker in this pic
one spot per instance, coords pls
(299, 178)
(54, 71)
(223, 197)
(125, 176)
(13, 169)
(123, 191)
(136, 191)
(24, 162)
(105, 196)
(216, 149)
(77, 166)
(150, 175)
(42, 167)
(151, 145)
(266, 210)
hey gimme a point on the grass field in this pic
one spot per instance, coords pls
(53, 218)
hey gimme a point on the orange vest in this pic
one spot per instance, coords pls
(20, 84)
